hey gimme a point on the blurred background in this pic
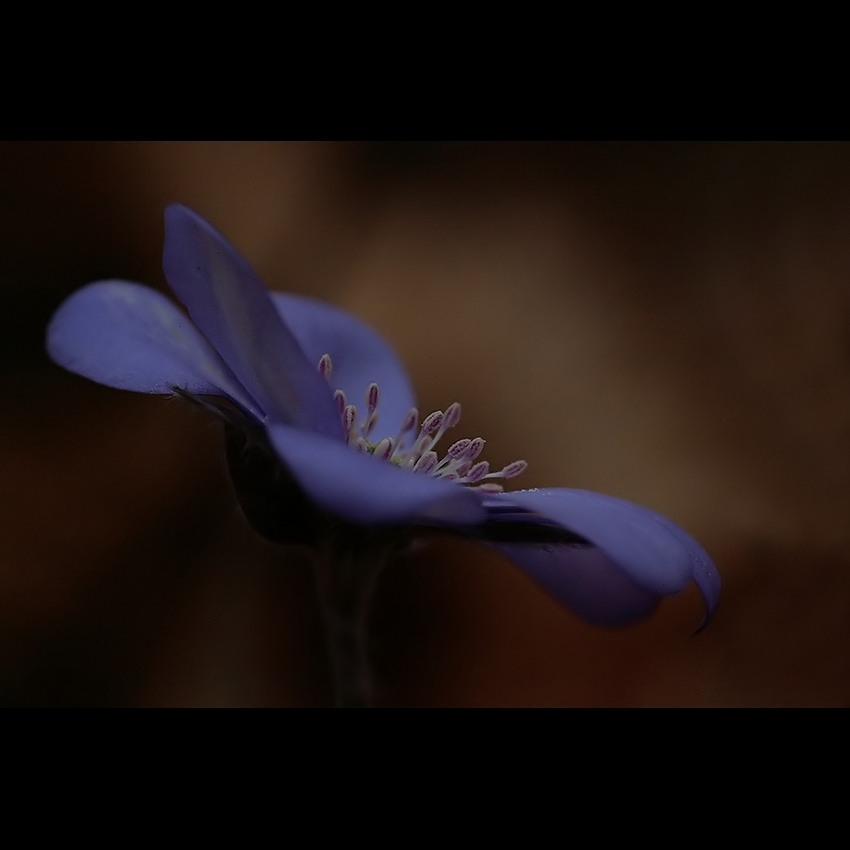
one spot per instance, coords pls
(665, 322)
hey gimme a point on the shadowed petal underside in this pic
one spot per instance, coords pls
(637, 556)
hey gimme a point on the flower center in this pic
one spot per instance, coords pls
(459, 463)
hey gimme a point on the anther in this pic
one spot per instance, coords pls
(372, 397)
(458, 449)
(349, 417)
(432, 422)
(452, 416)
(384, 448)
(476, 446)
(325, 366)
(410, 421)
(426, 463)
(513, 469)
(477, 472)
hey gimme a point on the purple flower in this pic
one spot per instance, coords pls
(300, 385)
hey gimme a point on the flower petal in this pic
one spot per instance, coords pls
(233, 310)
(129, 336)
(360, 356)
(583, 579)
(639, 555)
(363, 489)
(705, 574)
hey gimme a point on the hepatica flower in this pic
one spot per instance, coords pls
(325, 442)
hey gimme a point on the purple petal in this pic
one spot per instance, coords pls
(640, 555)
(129, 336)
(583, 579)
(360, 356)
(363, 489)
(233, 310)
(705, 574)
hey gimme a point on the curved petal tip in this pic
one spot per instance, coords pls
(618, 559)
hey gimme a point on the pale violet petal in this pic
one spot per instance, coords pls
(364, 489)
(132, 337)
(231, 307)
(359, 354)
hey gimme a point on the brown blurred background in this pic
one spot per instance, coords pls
(666, 322)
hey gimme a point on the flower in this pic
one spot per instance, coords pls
(282, 371)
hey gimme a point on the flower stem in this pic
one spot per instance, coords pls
(346, 573)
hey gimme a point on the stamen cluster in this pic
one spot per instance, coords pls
(460, 462)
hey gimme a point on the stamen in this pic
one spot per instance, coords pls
(349, 417)
(458, 464)
(477, 472)
(511, 470)
(409, 423)
(458, 449)
(476, 446)
(325, 366)
(454, 456)
(515, 468)
(384, 449)
(449, 419)
(369, 424)
(420, 446)
(489, 487)
(432, 422)
(426, 463)
(452, 415)
(372, 397)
